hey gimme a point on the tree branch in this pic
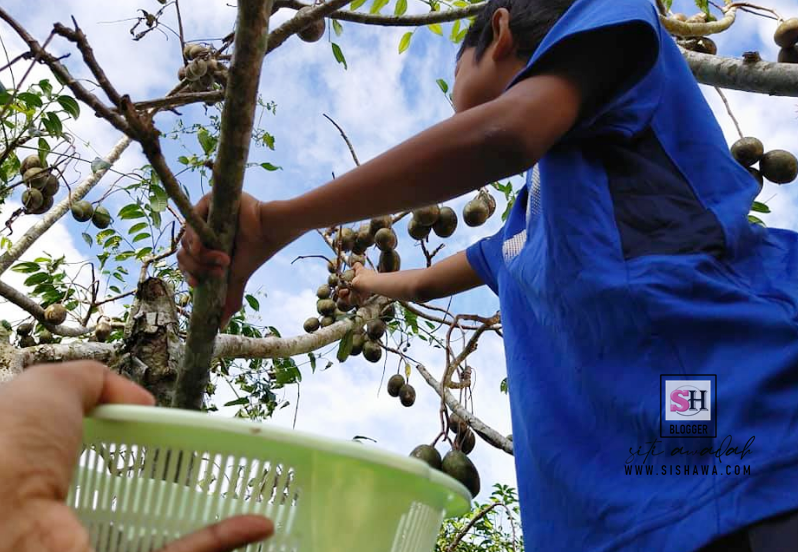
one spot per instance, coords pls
(299, 22)
(487, 433)
(684, 29)
(47, 221)
(238, 116)
(464, 531)
(761, 77)
(31, 307)
(178, 100)
(62, 352)
(393, 20)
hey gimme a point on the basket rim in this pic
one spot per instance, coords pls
(458, 500)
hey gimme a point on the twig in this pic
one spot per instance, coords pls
(464, 531)
(729, 111)
(178, 100)
(345, 137)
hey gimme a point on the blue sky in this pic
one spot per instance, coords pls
(381, 100)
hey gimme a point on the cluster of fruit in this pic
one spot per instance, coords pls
(314, 31)
(700, 44)
(25, 339)
(778, 166)
(786, 37)
(83, 211)
(479, 209)
(456, 463)
(41, 185)
(433, 218)
(398, 387)
(202, 69)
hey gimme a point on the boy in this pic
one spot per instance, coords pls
(628, 255)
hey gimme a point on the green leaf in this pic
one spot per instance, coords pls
(668, 4)
(37, 278)
(138, 227)
(183, 160)
(25, 267)
(29, 99)
(442, 85)
(400, 8)
(125, 255)
(132, 211)
(338, 29)
(46, 87)
(270, 167)
(99, 164)
(159, 199)
(404, 44)
(268, 139)
(703, 5)
(377, 6)
(345, 347)
(758, 207)
(142, 236)
(206, 141)
(503, 386)
(253, 303)
(87, 239)
(356, 4)
(44, 149)
(455, 31)
(115, 289)
(436, 28)
(143, 252)
(104, 234)
(755, 220)
(238, 402)
(53, 124)
(312, 358)
(70, 106)
(339, 55)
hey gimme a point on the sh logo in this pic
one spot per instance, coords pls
(688, 400)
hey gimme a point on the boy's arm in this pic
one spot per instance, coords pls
(450, 276)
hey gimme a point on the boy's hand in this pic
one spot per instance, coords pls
(258, 238)
(361, 287)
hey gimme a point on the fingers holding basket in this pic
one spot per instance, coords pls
(224, 536)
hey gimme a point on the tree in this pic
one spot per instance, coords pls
(168, 341)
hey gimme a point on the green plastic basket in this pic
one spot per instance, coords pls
(149, 475)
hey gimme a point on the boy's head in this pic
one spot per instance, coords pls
(498, 45)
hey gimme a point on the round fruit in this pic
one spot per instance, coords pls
(45, 337)
(395, 383)
(358, 340)
(348, 276)
(30, 162)
(181, 73)
(82, 211)
(27, 341)
(428, 454)
(466, 441)
(101, 217)
(787, 33)
(779, 166)
(758, 175)
(314, 31)
(490, 201)
(416, 230)
(327, 321)
(344, 306)
(457, 424)
(378, 223)
(346, 238)
(788, 55)
(446, 224)
(331, 268)
(407, 395)
(456, 464)
(476, 212)
(353, 259)
(385, 239)
(388, 312)
(332, 280)
(311, 325)
(102, 331)
(375, 328)
(747, 151)
(705, 45)
(35, 178)
(196, 70)
(325, 307)
(55, 314)
(25, 328)
(51, 185)
(372, 351)
(192, 51)
(364, 239)
(427, 216)
(323, 292)
(48, 202)
(389, 261)
(32, 199)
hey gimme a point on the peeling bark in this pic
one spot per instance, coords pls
(761, 77)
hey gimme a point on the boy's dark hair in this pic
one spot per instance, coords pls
(530, 22)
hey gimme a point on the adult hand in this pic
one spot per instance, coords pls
(42, 413)
(259, 236)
